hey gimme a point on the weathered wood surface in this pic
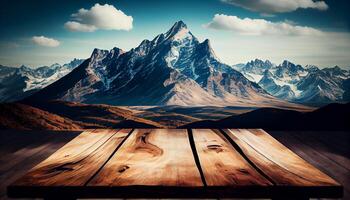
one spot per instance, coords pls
(222, 165)
(157, 157)
(278, 162)
(175, 163)
(77, 161)
(315, 152)
(22, 150)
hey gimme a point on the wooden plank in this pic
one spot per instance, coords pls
(316, 142)
(77, 161)
(31, 148)
(222, 165)
(151, 157)
(315, 157)
(278, 162)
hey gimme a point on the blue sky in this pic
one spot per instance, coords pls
(302, 31)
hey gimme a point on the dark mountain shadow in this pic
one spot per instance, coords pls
(330, 117)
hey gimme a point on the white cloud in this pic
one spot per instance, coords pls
(105, 17)
(248, 26)
(277, 6)
(76, 26)
(45, 41)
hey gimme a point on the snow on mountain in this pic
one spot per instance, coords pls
(309, 84)
(174, 68)
(18, 83)
(321, 86)
(254, 69)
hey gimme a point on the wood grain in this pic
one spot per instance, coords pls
(156, 157)
(278, 162)
(222, 165)
(77, 161)
(22, 150)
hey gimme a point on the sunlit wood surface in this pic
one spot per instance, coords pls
(175, 163)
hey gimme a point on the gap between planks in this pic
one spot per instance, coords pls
(220, 133)
(196, 157)
(241, 152)
(112, 154)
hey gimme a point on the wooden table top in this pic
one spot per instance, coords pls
(174, 163)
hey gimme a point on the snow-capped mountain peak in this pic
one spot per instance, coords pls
(98, 54)
(178, 28)
(287, 69)
(311, 67)
(24, 68)
(178, 33)
(115, 52)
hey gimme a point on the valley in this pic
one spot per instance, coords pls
(60, 115)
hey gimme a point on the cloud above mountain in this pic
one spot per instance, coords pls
(45, 41)
(104, 17)
(248, 26)
(277, 6)
(78, 27)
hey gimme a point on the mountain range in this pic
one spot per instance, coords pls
(307, 85)
(18, 83)
(175, 68)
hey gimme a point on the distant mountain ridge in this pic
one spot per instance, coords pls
(308, 85)
(172, 69)
(18, 83)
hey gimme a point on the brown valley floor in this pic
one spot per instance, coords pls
(22, 150)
